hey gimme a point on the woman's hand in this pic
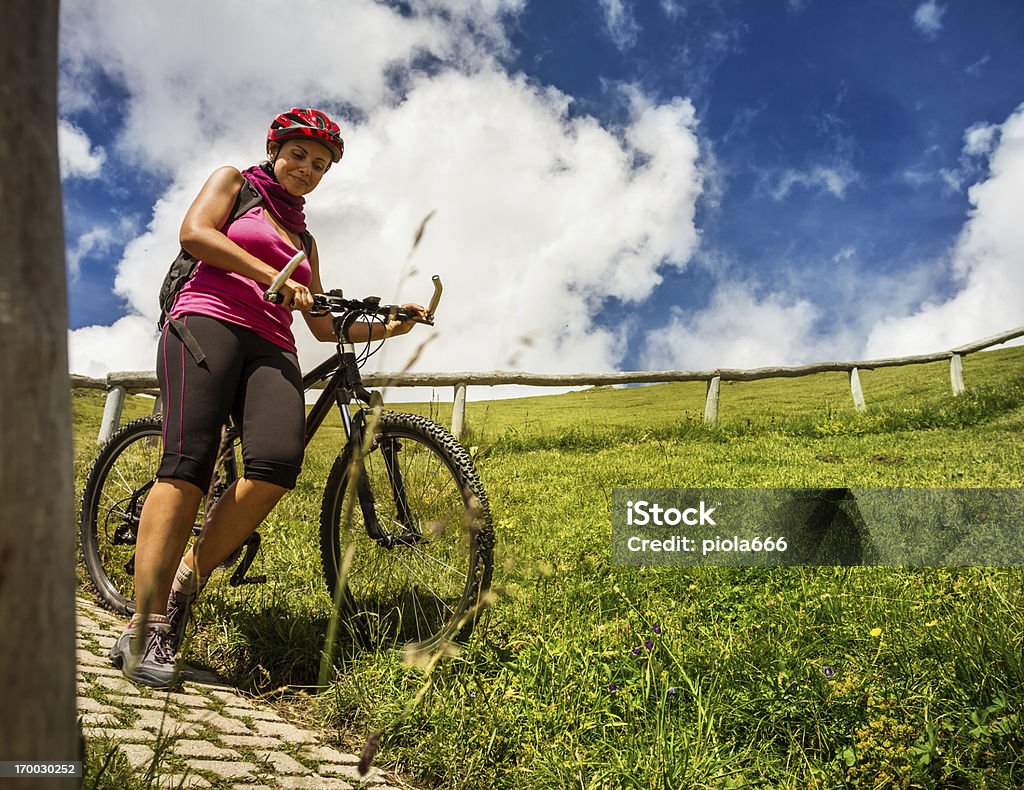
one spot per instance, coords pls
(401, 327)
(296, 296)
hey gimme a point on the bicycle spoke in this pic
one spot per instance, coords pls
(423, 586)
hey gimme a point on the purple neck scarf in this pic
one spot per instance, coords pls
(285, 206)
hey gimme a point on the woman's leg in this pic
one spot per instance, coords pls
(270, 412)
(164, 529)
(233, 519)
(197, 400)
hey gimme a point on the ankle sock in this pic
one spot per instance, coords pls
(152, 619)
(185, 581)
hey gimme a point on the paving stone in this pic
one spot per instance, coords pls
(134, 735)
(88, 657)
(253, 713)
(351, 773)
(313, 782)
(116, 684)
(328, 754)
(185, 713)
(105, 670)
(138, 755)
(98, 719)
(89, 705)
(224, 770)
(231, 697)
(174, 781)
(139, 701)
(281, 763)
(195, 748)
(222, 723)
(285, 731)
(251, 741)
(188, 700)
(157, 721)
(94, 631)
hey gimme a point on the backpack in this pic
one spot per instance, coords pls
(183, 268)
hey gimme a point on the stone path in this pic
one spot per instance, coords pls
(219, 737)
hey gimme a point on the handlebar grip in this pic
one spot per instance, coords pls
(434, 299)
(272, 294)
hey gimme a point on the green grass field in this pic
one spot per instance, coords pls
(744, 677)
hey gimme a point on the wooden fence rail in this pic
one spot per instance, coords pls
(120, 384)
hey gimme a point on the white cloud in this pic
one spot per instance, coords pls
(980, 139)
(737, 329)
(621, 23)
(928, 18)
(188, 91)
(834, 180)
(673, 9)
(541, 215)
(78, 157)
(986, 261)
(126, 345)
(95, 240)
(845, 255)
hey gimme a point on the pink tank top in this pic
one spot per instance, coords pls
(235, 298)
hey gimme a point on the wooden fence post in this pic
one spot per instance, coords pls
(711, 404)
(858, 393)
(37, 535)
(956, 374)
(459, 411)
(111, 413)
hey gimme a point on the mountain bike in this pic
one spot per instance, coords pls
(406, 536)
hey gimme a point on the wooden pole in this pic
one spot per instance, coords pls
(459, 411)
(858, 394)
(956, 374)
(711, 404)
(37, 524)
(111, 413)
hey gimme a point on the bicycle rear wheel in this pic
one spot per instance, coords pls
(115, 490)
(420, 579)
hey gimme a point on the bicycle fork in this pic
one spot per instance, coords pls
(390, 450)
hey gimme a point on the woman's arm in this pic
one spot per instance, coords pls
(201, 235)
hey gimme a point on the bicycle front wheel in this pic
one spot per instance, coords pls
(115, 490)
(418, 574)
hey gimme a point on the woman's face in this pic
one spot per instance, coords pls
(300, 164)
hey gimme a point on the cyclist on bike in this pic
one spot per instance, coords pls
(225, 351)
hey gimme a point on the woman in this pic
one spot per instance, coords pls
(247, 368)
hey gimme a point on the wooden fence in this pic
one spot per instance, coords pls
(118, 385)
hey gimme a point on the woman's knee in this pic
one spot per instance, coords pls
(282, 474)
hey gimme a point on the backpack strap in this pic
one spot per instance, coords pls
(248, 198)
(187, 339)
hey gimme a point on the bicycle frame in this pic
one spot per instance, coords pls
(344, 382)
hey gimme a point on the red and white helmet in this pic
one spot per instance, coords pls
(311, 124)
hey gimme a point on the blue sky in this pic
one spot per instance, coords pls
(617, 185)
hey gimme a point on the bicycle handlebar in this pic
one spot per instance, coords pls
(335, 302)
(273, 292)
